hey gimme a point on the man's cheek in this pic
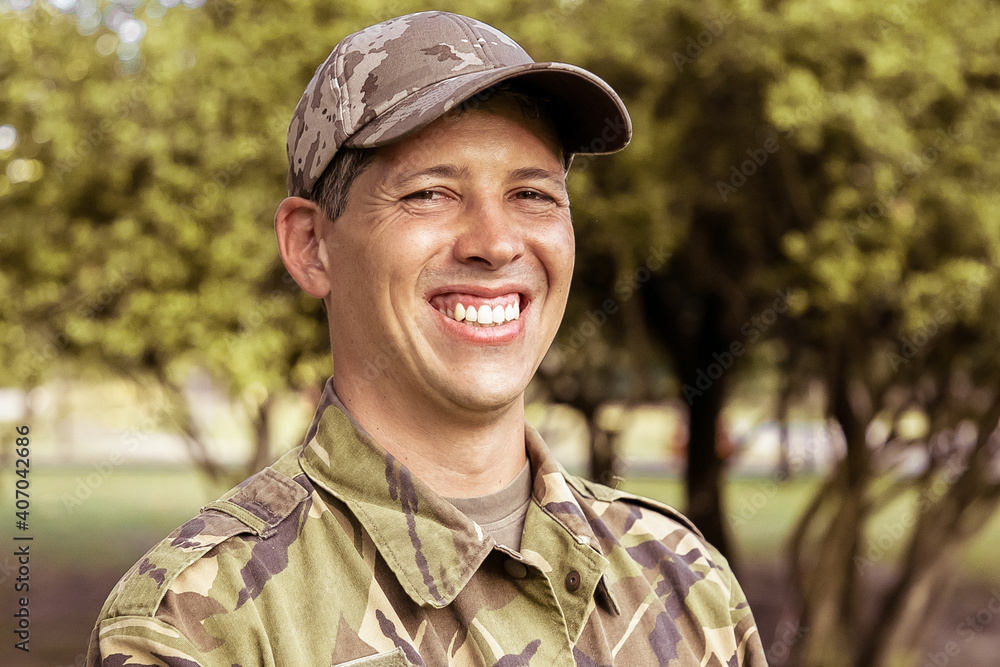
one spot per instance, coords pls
(563, 246)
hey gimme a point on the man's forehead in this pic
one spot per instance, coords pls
(442, 149)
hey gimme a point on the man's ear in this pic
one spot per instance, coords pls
(298, 224)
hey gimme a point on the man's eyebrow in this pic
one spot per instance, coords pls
(537, 173)
(438, 170)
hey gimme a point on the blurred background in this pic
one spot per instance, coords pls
(783, 319)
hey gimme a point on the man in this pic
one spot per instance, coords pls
(423, 522)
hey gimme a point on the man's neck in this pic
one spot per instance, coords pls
(457, 458)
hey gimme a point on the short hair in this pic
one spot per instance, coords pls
(331, 190)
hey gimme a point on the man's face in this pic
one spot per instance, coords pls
(472, 212)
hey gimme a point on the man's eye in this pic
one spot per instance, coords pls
(532, 194)
(425, 195)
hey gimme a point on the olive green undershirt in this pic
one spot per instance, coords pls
(501, 514)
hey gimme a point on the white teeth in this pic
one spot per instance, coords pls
(485, 315)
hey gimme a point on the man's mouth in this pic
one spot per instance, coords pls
(479, 311)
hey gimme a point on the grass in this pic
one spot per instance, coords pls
(80, 519)
(87, 530)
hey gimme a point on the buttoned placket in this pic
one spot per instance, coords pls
(559, 570)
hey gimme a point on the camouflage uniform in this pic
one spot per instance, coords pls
(337, 555)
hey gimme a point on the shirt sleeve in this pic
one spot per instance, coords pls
(137, 641)
(749, 646)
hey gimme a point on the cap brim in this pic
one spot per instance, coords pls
(589, 116)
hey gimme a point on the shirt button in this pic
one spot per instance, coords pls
(515, 568)
(572, 581)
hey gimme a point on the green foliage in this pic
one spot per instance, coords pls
(144, 244)
(843, 153)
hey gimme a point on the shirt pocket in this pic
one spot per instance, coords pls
(394, 658)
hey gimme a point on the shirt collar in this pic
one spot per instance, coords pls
(433, 549)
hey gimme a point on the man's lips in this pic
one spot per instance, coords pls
(479, 311)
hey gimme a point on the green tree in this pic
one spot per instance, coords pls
(810, 188)
(137, 239)
(834, 166)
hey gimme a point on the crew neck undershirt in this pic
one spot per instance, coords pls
(501, 514)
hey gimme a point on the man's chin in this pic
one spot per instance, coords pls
(485, 394)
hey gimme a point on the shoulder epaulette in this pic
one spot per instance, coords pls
(609, 495)
(256, 507)
(263, 502)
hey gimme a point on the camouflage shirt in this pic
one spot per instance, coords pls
(337, 555)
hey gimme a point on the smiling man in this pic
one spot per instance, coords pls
(423, 522)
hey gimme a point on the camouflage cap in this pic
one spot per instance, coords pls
(396, 77)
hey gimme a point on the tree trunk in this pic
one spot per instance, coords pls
(697, 330)
(191, 432)
(829, 570)
(261, 420)
(704, 472)
(828, 593)
(907, 612)
(603, 459)
(943, 527)
(784, 444)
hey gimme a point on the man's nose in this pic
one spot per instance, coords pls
(491, 237)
